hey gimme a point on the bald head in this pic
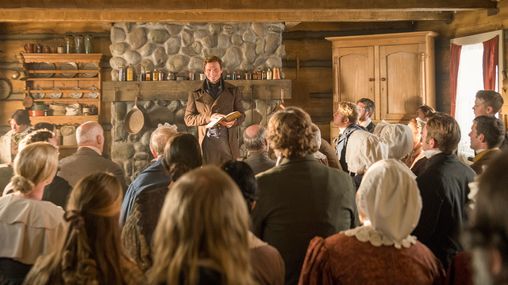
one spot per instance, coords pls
(254, 138)
(90, 134)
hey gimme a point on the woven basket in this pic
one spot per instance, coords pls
(68, 135)
(58, 109)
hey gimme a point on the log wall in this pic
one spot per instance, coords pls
(307, 63)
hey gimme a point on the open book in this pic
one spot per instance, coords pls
(227, 118)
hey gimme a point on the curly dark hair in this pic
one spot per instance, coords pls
(244, 177)
(290, 133)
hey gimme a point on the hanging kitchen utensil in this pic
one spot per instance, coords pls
(281, 105)
(136, 119)
(5, 89)
(28, 101)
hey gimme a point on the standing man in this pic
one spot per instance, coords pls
(345, 118)
(215, 99)
(444, 189)
(365, 111)
(489, 103)
(487, 133)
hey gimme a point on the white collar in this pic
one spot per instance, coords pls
(431, 152)
(365, 123)
(369, 234)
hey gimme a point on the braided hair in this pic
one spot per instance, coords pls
(91, 252)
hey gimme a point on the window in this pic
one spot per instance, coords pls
(470, 79)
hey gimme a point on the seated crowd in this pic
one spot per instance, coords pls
(387, 204)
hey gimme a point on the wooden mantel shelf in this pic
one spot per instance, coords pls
(113, 91)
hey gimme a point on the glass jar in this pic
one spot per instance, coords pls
(78, 43)
(68, 44)
(88, 43)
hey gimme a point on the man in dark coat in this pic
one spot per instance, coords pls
(254, 140)
(154, 176)
(88, 158)
(444, 189)
(213, 100)
(489, 103)
(300, 198)
(487, 133)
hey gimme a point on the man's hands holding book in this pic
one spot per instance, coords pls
(225, 120)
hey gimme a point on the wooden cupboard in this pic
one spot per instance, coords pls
(396, 71)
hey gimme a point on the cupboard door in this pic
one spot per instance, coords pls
(402, 80)
(353, 74)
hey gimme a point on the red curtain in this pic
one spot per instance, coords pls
(454, 72)
(490, 50)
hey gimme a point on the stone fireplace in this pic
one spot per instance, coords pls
(165, 101)
(180, 49)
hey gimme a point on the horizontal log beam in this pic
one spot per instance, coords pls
(307, 63)
(420, 5)
(113, 91)
(321, 95)
(321, 35)
(45, 36)
(218, 15)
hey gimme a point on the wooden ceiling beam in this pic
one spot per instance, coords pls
(208, 15)
(416, 5)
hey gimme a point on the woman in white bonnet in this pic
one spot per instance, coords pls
(398, 138)
(382, 251)
(363, 150)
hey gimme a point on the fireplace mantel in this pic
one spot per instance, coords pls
(115, 91)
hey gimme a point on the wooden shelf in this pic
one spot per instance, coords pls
(67, 100)
(179, 90)
(62, 78)
(63, 90)
(60, 57)
(45, 78)
(44, 71)
(63, 120)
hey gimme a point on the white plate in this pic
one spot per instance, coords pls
(76, 95)
(88, 66)
(41, 66)
(92, 95)
(39, 95)
(55, 95)
(67, 66)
